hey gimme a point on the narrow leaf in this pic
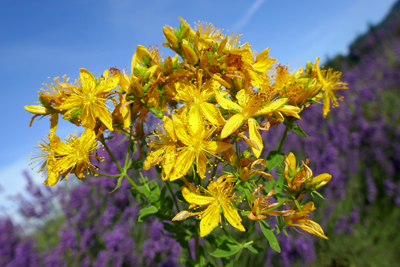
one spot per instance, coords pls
(296, 129)
(118, 184)
(269, 234)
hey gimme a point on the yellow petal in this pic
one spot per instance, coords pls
(263, 62)
(88, 117)
(292, 163)
(227, 104)
(180, 130)
(212, 113)
(168, 125)
(291, 110)
(195, 120)
(210, 219)
(80, 167)
(232, 125)
(193, 198)
(215, 147)
(256, 137)
(327, 104)
(183, 215)
(322, 179)
(107, 85)
(233, 217)
(52, 178)
(272, 106)
(311, 227)
(53, 123)
(36, 109)
(87, 79)
(104, 115)
(183, 164)
(152, 159)
(201, 162)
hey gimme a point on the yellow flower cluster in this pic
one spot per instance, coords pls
(214, 92)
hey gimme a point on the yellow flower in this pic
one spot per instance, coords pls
(296, 178)
(260, 205)
(196, 98)
(90, 101)
(250, 105)
(74, 156)
(330, 81)
(122, 112)
(46, 160)
(197, 148)
(217, 196)
(293, 86)
(165, 148)
(300, 220)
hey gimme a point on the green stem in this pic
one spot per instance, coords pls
(108, 175)
(285, 134)
(226, 232)
(172, 195)
(279, 204)
(111, 155)
(197, 180)
(249, 231)
(122, 170)
(133, 184)
(197, 243)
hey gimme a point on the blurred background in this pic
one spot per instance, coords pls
(80, 224)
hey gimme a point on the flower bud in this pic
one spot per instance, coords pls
(171, 38)
(137, 88)
(189, 54)
(36, 109)
(150, 72)
(319, 181)
(230, 156)
(168, 65)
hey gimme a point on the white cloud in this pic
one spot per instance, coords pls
(247, 16)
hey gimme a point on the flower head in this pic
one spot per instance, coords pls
(260, 205)
(196, 147)
(46, 159)
(75, 154)
(89, 101)
(300, 220)
(164, 141)
(217, 196)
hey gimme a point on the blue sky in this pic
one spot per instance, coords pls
(41, 39)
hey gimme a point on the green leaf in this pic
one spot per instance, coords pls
(269, 234)
(146, 212)
(118, 184)
(162, 195)
(274, 158)
(202, 257)
(297, 204)
(248, 195)
(253, 248)
(279, 187)
(296, 129)
(225, 250)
